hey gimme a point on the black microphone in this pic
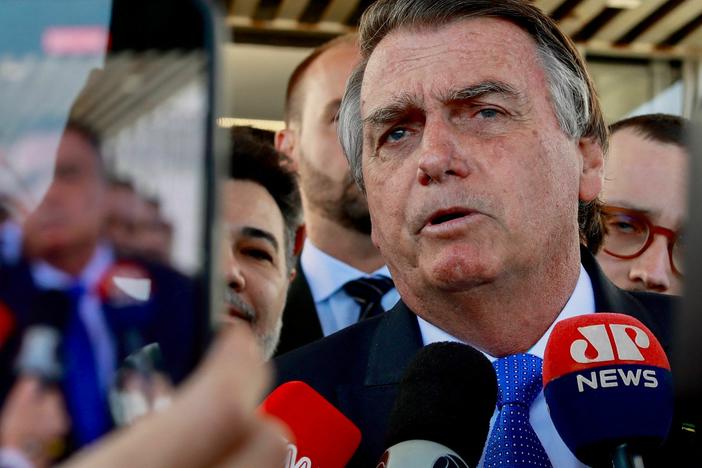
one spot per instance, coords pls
(442, 413)
(38, 354)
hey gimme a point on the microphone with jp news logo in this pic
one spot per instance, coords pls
(323, 436)
(608, 387)
(442, 413)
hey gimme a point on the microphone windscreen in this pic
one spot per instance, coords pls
(7, 323)
(322, 433)
(607, 381)
(48, 315)
(447, 396)
(50, 308)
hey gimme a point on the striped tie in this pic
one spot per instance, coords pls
(368, 292)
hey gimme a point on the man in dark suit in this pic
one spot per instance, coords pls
(338, 247)
(475, 131)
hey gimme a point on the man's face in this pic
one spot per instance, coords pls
(71, 212)
(469, 177)
(256, 270)
(325, 179)
(649, 177)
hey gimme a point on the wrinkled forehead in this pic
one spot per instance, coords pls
(426, 59)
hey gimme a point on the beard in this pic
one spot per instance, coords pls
(348, 208)
(267, 338)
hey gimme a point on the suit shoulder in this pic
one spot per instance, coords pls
(334, 358)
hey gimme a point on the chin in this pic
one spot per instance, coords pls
(457, 272)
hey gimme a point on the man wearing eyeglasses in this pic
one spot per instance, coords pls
(645, 203)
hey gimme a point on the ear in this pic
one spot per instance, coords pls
(297, 249)
(285, 142)
(592, 172)
(300, 235)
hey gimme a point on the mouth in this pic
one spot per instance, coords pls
(237, 313)
(448, 215)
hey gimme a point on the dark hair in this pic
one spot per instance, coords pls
(257, 161)
(293, 94)
(572, 92)
(663, 128)
(92, 137)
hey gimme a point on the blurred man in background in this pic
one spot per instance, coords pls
(645, 200)
(341, 275)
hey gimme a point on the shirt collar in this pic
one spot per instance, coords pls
(326, 275)
(581, 302)
(50, 277)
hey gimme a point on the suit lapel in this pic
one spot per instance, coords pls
(300, 322)
(393, 344)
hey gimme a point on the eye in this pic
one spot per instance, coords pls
(258, 254)
(625, 225)
(396, 135)
(488, 113)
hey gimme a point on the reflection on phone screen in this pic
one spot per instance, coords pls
(102, 203)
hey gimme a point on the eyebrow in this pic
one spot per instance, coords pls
(256, 233)
(481, 89)
(402, 105)
(405, 103)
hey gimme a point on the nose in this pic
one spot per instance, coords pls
(652, 268)
(235, 277)
(441, 156)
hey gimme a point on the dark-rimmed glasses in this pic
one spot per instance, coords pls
(630, 233)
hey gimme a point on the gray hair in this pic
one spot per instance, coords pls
(572, 92)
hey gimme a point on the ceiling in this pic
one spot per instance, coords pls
(631, 27)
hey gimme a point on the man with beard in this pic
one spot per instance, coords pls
(341, 276)
(261, 215)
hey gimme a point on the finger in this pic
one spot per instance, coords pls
(265, 445)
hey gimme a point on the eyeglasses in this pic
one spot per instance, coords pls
(630, 233)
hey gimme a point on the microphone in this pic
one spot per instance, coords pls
(7, 324)
(38, 354)
(323, 436)
(608, 387)
(442, 413)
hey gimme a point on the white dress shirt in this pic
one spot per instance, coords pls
(581, 302)
(325, 276)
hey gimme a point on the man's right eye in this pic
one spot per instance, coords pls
(258, 254)
(395, 135)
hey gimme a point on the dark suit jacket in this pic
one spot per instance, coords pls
(358, 368)
(167, 318)
(300, 321)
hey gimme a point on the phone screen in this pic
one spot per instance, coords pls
(105, 197)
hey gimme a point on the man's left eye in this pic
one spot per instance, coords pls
(488, 113)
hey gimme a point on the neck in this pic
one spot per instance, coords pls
(509, 315)
(345, 244)
(71, 261)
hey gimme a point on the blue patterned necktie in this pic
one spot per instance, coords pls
(513, 442)
(368, 293)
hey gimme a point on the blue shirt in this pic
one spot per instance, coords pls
(325, 276)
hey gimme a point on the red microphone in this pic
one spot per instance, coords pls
(7, 323)
(323, 436)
